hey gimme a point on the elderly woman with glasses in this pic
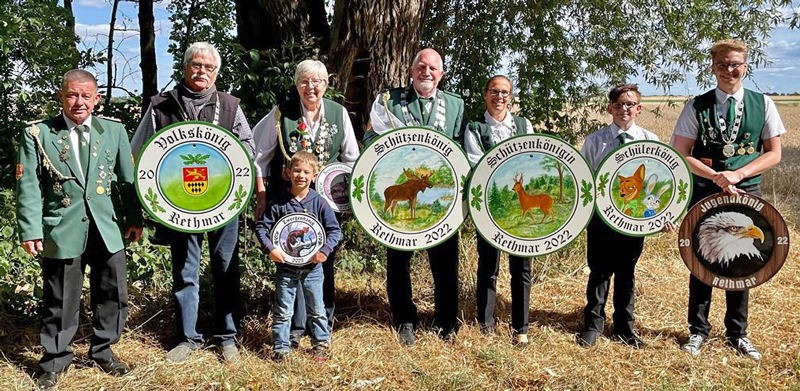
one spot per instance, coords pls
(310, 123)
(495, 125)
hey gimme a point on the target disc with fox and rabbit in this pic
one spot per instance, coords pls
(642, 185)
(406, 188)
(531, 195)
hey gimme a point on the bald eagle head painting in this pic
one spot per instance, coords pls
(727, 235)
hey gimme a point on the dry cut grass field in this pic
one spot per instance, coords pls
(366, 355)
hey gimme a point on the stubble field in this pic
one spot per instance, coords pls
(366, 355)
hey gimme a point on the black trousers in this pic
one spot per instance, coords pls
(520, 270)
(610, 253)
(736, 302)
(299, 319)
(444, 267)
(63, 281)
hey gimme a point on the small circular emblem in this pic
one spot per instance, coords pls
(299, 236)
(407, 188)
(531, 195)
(194, 176)
(642, 185)
(733, 242)
(332, 185)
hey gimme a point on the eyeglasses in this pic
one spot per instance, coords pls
(208, 67)
(311, 82)
(624, 105)
(725, 66)
(500, 93)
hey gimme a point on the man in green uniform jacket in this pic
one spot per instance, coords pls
(76, 203)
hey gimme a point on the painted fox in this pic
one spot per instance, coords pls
(630, 188)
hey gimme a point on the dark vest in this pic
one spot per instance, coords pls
(168, 111)
(707, 148)
(482, 129)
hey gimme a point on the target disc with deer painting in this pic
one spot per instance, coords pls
(406, 188)
(531, 195)
(642, 185)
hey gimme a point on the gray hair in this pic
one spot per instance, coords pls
(311, 67)
(419, 55)
(78, 75)
(203, 48)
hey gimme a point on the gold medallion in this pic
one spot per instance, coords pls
(740, 151)
(751, 150)
(100, 190)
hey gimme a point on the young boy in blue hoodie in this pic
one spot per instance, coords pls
(299, 199)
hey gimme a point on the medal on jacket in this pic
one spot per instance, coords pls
(728, 138)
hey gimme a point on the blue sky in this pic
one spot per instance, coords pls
(92, 18)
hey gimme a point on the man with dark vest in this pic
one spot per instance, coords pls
(729, 136)
(314, 124)
(76, 203)
(495, 125)
(421, 104)
(197, 99)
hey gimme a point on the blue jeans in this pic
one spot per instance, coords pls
(186, 251)
(287, 280)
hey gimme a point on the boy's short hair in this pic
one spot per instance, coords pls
(622, 89)
(304, 157)
(728, 45)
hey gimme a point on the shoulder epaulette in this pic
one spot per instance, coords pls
(454, 95)
(35, 122)
(108, 118)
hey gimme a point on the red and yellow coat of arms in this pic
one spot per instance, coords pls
(195, 180)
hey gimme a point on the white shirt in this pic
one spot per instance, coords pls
(74, 138)
(687, 125)
(600, 143)
(501, 130)
(265, 135)
(382, 120)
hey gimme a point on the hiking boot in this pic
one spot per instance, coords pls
(179, 354)
(230, 353)
(294, 340)
(587, 338)
(745, 347)
(405, 333)
(694, 344)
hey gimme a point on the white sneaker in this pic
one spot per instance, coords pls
(694, 344)
(745, 347)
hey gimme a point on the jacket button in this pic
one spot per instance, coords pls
(85, 219)
(88, 198)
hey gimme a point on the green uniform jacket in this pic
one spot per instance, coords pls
(61, 215)
(454, 112)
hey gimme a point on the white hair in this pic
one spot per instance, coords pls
(311, 67)
(419, 55)
(203, 48)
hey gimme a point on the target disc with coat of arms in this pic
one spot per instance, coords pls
(194, 176)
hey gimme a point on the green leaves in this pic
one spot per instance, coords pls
(152, 198)
(477, 197)
(682, 190)
(463, 187)
(239, 198)
(190, 159)
(601, 186)
(358, 192)
(586, 192)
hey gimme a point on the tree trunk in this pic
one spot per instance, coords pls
(110, 66)
(73, 49)
(267, 24)
(372, 44)
(147, 45)
(187, 38)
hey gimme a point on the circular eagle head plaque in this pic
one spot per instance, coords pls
(642, 185)
(733, 242)
(299, 236)
(333, 184)
(407, 188)
(531, 195)
(194, 176)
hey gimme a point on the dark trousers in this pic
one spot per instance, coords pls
(486, 291)
(443, 261)
(300, 322)
(63, 282)
(700, 293)
(610, 253)
(186, 251)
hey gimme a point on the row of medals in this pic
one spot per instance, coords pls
(730, 148)
(104, 174)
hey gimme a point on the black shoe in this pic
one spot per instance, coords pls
(47, 380)
(632, 340)
(587, 338)
(406, 334)
(294, 340)
(447, 335)
(113, 367)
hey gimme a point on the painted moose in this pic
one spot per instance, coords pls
(406, 191)
(528, 202)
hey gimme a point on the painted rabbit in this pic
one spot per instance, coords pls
(652, 201)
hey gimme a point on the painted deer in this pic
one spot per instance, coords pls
(406, 191)
(528, 202)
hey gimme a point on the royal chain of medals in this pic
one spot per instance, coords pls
(729, 138)
(441, 112)
(321, 145)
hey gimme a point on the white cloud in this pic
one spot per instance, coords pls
(100, 4)
(92, 31)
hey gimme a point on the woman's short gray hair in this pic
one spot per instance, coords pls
(311, 67)
(203, 48)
